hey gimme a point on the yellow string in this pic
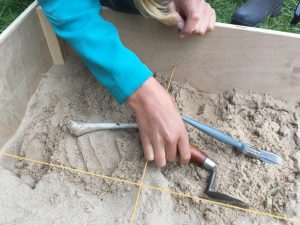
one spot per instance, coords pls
(171, 77)
(138, 196)
(165, 190)
(69, 168)
(250, 211)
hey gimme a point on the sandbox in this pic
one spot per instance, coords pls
(244, 81)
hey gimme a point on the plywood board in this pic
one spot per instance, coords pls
(24, 57)
(230, 57)
(52, 40)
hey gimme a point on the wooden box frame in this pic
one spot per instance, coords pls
(230, 57)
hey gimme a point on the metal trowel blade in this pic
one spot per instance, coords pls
(226, 199)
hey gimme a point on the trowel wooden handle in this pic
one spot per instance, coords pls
(197, 156)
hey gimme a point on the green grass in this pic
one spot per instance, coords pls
(10, 9)
(225, 9)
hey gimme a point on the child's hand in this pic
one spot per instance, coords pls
(193, 16)
(161, 128)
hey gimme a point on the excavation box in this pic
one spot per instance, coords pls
(230, 57)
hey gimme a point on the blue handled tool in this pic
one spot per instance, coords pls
(264, 156)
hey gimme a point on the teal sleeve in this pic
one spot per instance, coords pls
(98, 43)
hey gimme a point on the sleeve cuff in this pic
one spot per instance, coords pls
(122, 94)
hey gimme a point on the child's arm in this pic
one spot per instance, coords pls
(97, 42)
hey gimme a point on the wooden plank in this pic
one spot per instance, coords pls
(230, 57)
(52, 40)
(24, 57)
(11, 28)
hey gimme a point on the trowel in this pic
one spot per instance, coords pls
(200, 158)
(197, 156)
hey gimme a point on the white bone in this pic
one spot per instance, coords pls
(78, 128)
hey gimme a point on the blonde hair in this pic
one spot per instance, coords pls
(157, 9)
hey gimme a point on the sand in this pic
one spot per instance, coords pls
(37, 194)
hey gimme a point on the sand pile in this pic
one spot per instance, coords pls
(258, 120)
(70, 92)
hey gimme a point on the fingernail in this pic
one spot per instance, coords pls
(150, 156)
(180, 25)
